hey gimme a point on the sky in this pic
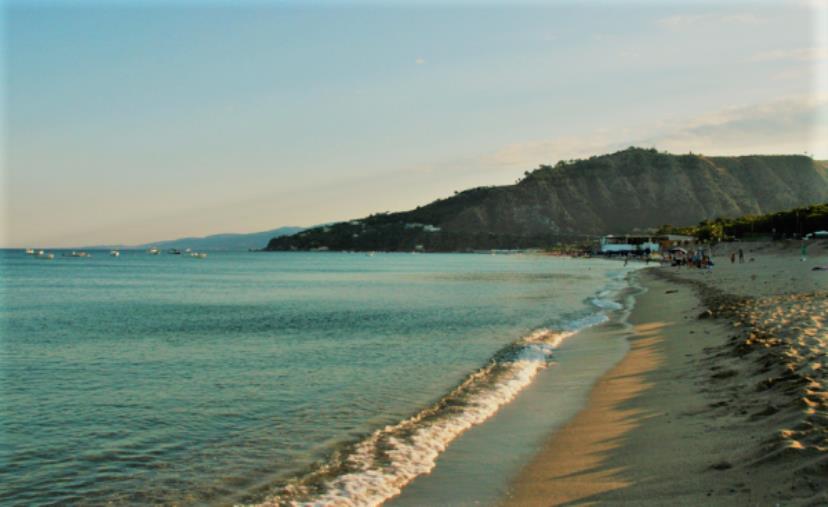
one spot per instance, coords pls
(127, 122)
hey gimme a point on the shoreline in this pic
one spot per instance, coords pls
(392, 461)
(721, 399)
(552, 399)
(576, 463)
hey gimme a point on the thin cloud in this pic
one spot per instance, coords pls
(533, 153)
(797, 74)
(814, 4)
(798, 54)
(792, 125)
(692, 20)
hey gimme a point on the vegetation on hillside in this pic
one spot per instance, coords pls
(797, 222)
(577, 200)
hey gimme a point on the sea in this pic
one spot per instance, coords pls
(258, 378)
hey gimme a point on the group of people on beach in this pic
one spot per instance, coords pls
(697, 259)
(741, 256)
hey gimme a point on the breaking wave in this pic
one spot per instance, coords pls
(378, 467)
(605, 303)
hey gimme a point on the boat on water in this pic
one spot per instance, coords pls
(153, 251)
(115, 253)
(30, 251)
(73, 253)
(198, 255)
(174, 251)
(45, 256)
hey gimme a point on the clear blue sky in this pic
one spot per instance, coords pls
(128, 122)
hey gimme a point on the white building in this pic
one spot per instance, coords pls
(635, 243)
(629, 244)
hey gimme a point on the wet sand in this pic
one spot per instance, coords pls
(720, 401)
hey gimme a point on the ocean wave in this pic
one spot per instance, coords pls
(618, 281)
(606, 303)
(378, 467)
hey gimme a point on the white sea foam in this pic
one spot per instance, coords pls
(380, 466)
(607, 298)
(606, 304)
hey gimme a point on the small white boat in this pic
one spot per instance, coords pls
(30, 251)
(45, 256)
(153, 251)
(115, 253)
(198, 255)
(79, 254)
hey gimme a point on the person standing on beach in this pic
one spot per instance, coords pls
(732, 257)
(741, 256)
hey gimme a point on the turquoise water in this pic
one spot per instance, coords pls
(258, 377)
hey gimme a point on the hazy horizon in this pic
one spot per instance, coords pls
(126, 123)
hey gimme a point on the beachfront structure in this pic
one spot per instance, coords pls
(632, 243)
(671, 240)
(628, 244)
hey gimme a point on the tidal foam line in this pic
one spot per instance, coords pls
(378, 467)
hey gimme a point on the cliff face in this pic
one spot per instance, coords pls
(614, 193)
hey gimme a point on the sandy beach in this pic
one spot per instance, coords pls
(721, 400)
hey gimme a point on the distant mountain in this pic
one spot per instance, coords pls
(616, 193)
(230, 241)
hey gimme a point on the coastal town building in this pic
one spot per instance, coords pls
(631, 243)
(611, 244)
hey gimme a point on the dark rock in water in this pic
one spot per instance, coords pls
(671, 291)
(707, 314)
(615, 193)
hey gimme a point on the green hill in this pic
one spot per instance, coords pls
(614, 193)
